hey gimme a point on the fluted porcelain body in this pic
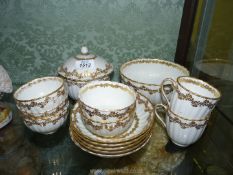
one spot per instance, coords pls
(191, 97)
(107, 108)
(184, 132)
(47, 124)
(48, 127)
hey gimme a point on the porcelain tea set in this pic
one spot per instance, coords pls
(112, 119)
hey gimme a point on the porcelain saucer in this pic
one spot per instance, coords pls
(141, 123)
(113, 147)
(110, 154)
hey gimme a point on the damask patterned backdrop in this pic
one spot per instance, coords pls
(36, 36)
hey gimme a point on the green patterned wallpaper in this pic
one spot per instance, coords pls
(36, 36)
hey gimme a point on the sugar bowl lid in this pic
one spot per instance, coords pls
(85, 67)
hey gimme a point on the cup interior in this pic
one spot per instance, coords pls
(38, 88)
(107, 96)
(152, 71)
(198, 87)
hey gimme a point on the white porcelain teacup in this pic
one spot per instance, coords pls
(182, 131)
(191, 97)
(41, 95)
(43, 103)
(48, 124)
(107, 108)
(145, 75)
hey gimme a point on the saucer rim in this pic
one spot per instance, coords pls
(111, 151)
(113, 155)
(114, 146)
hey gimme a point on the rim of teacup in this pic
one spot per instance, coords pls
(120, 85)
(200, 83)
(150, 60)
(187, 119)
(34, 81)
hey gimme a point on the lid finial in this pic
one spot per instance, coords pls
(84, 50)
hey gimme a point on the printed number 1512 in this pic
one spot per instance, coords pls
(85, 64)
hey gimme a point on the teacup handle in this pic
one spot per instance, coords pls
(174, 85)
(161, 119)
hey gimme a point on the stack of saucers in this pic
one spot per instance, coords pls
(131, 140)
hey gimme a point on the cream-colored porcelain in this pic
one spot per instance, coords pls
(191, 97)
(47, 113)
(63, 106)
(146, 75)
(75, 85)
(108, 129)
(47, 124)
(142, 122)
(41, 95)
(82, 69)
(112, 151)
(46, 127)
(182, 131)
(108, 107)
(85, 67)
(113, 146)
(127, 143)
(110, 154)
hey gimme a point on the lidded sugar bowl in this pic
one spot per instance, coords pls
(83, 68)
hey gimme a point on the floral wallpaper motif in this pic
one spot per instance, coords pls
(36, 36)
